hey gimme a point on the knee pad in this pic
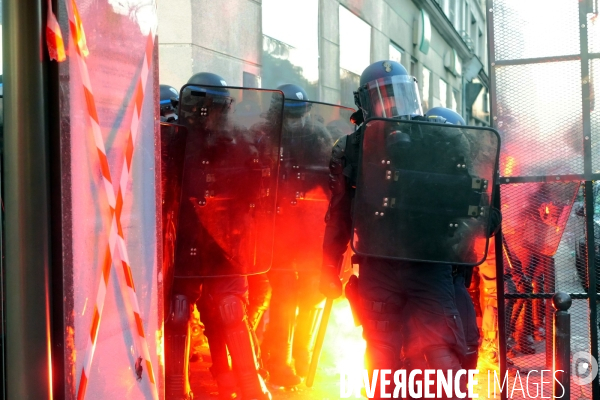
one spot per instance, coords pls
(180, 312)
(232, 311)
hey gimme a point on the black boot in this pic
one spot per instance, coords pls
(241, 348)
(220, 368)
(277, 345)
(227, 384)
(279, 365)
(177, 350)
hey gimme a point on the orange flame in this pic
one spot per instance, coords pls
(509, 166)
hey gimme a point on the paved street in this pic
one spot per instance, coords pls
(343, 348)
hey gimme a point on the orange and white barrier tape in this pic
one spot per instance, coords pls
(116, 236)
(54, 39)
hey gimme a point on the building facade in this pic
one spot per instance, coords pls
(323, 45)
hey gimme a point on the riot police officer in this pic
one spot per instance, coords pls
(405, 306)
(461, 275)
(295, 300)
(169, 100)
(207, 258)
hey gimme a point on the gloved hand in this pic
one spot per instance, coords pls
(330, 283)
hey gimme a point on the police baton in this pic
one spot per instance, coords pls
(314, 361)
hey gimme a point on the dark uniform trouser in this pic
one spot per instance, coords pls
(466, 310)
(419, 318)
(222, 306)
(292, 291)
(213, 291)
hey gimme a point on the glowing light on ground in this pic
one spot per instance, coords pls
(344, 347)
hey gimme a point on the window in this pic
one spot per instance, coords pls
(455, 101)
(414, 67)
(444, 5)
(454, 13)
(473, 29)
(396, 52)
(443, 93)
(426, 89)
(481, 44)
(465, 17)
(349, 82)
(250, 80)
(291, 55)
(355, 42)
(485, 105)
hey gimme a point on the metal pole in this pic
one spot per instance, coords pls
(312, 370)
(27, 202)
(584, 8)
(549, 287)
(562, 346)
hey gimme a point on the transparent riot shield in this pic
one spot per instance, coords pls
(227, 205)
(309, 131)
(424, 191)
(172, 138)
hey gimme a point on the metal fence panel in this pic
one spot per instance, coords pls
(544, 56)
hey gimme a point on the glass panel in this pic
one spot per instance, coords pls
(443, 93)
(102, 297)
(355, 42)
(426, 86)
(349, 82)
(455, 100)
(404, 168)
(291, 55)
(396, 53)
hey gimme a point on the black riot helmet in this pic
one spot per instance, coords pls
(444, 115)
(296, 100)
(206, 79)
(387, 90)
(209, 93)
(169, 100)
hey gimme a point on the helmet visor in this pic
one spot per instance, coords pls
(394, 96)
(201, 96)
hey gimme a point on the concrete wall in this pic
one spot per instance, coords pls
(220, 36)
(197, 35)
(329, 49)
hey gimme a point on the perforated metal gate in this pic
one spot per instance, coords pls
(544, 70)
